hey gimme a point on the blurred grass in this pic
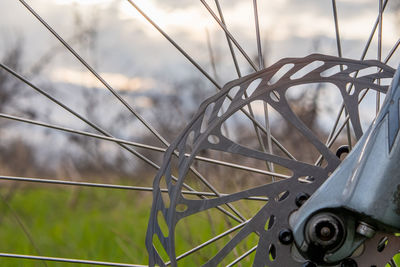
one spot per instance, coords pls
(98, 224)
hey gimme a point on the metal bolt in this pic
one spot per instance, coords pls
(365, 229)
(309, 264)
(286, 236)
(342, 150)
(301, 198)
(325, 230)
(348, 263)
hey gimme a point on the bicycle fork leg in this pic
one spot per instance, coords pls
(361, 197)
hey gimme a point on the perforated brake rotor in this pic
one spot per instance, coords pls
(282, 193)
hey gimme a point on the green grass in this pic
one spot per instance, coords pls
(98, 224)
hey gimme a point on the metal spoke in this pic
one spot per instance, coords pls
(191, 60)
(239, 47)
(211, 55)
(97, 75)
(111, 186)
(68, 260)
(84, 133)
(214, 68)
(204, 181)
(378, 94)
(257, 130)
(393, 263)
(154, 131)
(261, 66)
(139, 155)
(148, 126)
(77, 115)
(241, 167)
(233, 55)
(180, 49)
(339, 49)
(332, 138)
(210, 241)
(258, 36)
(244, 255)
(388, 57)
(392, 51)
(363, 54)
(140, 145)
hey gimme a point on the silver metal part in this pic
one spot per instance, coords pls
(366, 230)
(305, 178)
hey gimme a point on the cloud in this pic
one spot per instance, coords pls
(116, 80)
(125, 43)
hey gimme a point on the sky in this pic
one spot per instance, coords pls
(132, 56)
(127, 45)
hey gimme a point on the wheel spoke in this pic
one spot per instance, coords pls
(251, 113)
(378, 94)
(77, 115)
(333, 136)
(363, 54)
(178, 47)
(97, 75)
(232, 51)
(178, 171)
(238, 46)
(211, 55)
(258, 36)
(244, 255)
(68, 260)
(140, 145)
(111, 186)
(210, 241)
(261, 66)
(393, 263)
(79, 132)
(339, 49)
(183, 52)
(139, 155)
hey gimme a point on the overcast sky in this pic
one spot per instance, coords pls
(130, 51)
(131, 55)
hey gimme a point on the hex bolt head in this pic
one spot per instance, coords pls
(286, 236)
(301, 198)
(365, 229)
(309, 264)
(348, 263)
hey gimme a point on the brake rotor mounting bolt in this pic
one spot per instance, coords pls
(309, 264)
(286, 236)
(366, 230)
(301, 198)
(348, 263)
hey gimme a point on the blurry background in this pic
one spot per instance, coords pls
(154, 78)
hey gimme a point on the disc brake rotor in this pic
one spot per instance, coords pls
(284, 193)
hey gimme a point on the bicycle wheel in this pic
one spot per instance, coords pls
(234, 157)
